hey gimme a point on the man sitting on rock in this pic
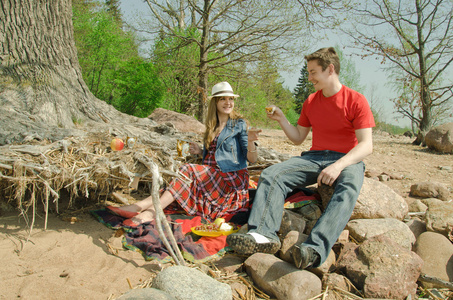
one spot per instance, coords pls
(341, 120)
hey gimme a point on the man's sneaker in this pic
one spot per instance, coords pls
(304, 257)
(245, 244)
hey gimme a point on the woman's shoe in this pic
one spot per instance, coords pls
(121, 212)
(130, 223)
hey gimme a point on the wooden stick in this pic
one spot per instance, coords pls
(435, 280)
(161, 219)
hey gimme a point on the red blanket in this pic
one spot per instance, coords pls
(145, 238)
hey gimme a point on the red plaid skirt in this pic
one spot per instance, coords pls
(211, 193)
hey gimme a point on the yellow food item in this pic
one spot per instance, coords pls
(270, 110)
(219, 221)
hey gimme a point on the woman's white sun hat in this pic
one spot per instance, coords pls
(222, 89)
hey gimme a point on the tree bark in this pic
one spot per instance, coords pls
(42, 93)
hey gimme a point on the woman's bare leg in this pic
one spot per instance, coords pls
(139, 206)
(148, 214)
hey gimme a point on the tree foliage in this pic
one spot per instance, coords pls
(231, 33)
(111, 66)
(303, 89)
(415, 36)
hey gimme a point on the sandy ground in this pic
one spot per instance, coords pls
(84, 260)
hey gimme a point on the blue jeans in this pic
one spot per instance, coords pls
(301, 171)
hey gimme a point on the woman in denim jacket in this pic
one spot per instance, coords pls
(219, 186)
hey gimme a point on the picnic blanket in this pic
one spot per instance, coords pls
(145, 238)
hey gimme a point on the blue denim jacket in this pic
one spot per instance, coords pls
(231, 149)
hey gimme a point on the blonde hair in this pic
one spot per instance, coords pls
(325, 57)
(212, 121)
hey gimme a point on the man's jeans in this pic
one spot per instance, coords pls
(301, 171)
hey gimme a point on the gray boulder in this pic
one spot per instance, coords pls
(440, 138)
(430, 190)
(144, 294)
(376, 200)
(439, 216)
(399, 232)
(184, 283)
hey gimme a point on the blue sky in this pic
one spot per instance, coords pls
(373, 77)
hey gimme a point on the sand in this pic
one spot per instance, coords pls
(66, 261)
(77, 261)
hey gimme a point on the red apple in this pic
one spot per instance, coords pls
(117, 144)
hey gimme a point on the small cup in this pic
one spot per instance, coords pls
(183, 148)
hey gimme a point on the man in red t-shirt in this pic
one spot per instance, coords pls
(341, 121)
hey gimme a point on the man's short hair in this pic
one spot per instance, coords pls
(325, 57)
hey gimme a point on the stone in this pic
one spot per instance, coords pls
(292, 238)
(437, 254)
(399, 232)
(439, 216)
(291, 221)
(187, 283)
(382, 268)
(332, 280)
(416, 226)
(311, 213)
(417, 206)
(230, 263)
(181, 122)
(281, 279)
(429, 189)
(440, 138)
(376, 200)
(146, 293)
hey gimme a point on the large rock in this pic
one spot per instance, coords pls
(281, 279)
(188, 283)
(382, 268)
(440, 138)
(429, 189)
(437, 253)
(399, 232)
(182, 122)
(439, 216)
(291, 221)
(376, 200)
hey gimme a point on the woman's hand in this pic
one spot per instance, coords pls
(253, 134)
(194, 148)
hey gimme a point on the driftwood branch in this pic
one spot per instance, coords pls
(161, 219)
(159, 213)
(436, 281)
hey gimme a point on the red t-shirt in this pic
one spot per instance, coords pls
(334, 119)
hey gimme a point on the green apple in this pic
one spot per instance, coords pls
(219, 221)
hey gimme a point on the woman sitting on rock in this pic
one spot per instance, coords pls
(220, 185)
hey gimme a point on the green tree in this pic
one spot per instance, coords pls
(303, 89)
(102, 46)
(175, 63)
(235, 31)
(139, 87)
(349, 75)
(111, 65)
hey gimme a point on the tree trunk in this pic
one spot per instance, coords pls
(203, 66)
(41, 87)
